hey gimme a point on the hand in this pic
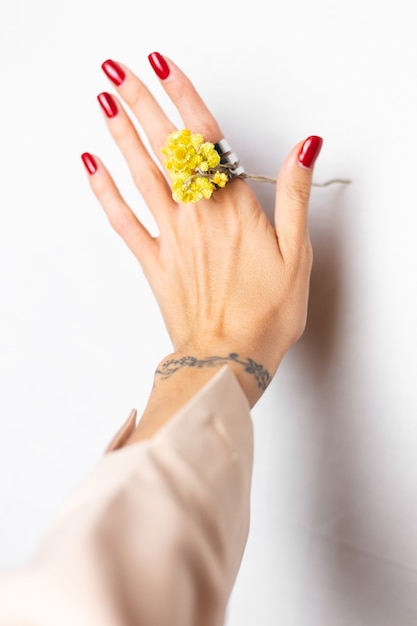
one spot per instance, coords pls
(226, 280)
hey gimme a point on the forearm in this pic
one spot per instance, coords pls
(179, 377)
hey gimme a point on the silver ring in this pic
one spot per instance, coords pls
(229, 158)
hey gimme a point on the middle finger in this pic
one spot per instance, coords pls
(146, 109)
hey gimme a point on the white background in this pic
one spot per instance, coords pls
(333, 540)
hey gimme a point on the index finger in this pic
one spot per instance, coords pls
(192, 109)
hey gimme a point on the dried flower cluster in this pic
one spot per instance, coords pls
(193, 166)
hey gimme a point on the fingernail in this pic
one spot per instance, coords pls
(108, 104)
(160, 66)
(310, 150)
(113, 71)
(89, 162)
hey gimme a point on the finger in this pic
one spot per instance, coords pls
(121, 217)
(146, 174)
(146, 109)
(194, 113)
(293, 194)
(192, 109)
(152, 118)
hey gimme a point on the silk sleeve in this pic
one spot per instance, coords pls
(155, 535)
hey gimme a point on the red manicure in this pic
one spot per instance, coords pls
(160, 66)
(310, 150)
(89, 162)
(108, 104)
(113, 71)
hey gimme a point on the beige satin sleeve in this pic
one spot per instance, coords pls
(155, 535)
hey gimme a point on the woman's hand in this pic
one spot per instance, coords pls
(226, 280)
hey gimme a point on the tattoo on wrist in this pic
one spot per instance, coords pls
(169, 367)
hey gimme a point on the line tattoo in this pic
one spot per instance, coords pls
(169, 367)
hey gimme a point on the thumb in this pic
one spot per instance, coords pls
(293, 193)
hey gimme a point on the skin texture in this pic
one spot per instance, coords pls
(227, 281)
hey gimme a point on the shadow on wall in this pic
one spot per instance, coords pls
(349, 577)
(325, 297)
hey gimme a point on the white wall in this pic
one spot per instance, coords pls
(333, 537)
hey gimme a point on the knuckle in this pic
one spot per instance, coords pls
(135, 95)
(299, 250)
(181, 94)
(298, 192)
(201, 121)
(121, 225)
(204, 129)
(120, 130)
(146, 180)
(303, 260)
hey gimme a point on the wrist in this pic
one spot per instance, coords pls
(172, 389)
(179, 376)
(250, 372)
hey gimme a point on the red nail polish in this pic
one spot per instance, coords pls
(89, 162)
(310, 150)
(113, 71)
(108, 104)
(160, 66)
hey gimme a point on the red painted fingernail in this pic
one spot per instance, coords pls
(113, 71)
(310, 150)
(89, 162)
(160, 66)
(108, 104)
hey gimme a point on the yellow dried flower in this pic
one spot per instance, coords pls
(220, 179)
(191, 163)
